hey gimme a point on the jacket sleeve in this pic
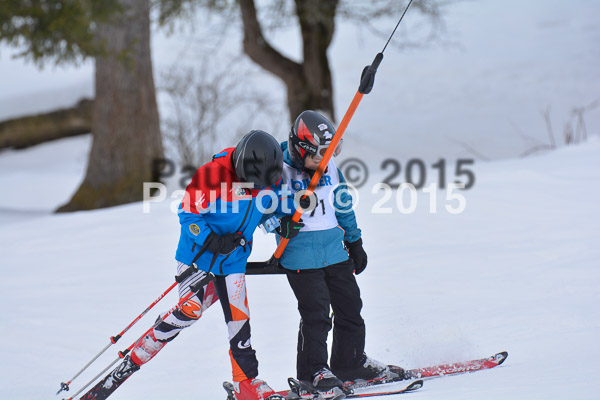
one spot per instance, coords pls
(194, 226)
(344, 212)
(285, 203)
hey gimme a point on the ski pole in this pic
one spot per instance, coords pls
(367, 80)
(193, 290)
(114, 339)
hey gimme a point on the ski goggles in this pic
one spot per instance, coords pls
(321, 150)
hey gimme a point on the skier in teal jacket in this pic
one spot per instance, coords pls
(320, 263)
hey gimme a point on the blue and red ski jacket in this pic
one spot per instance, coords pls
(215, 201)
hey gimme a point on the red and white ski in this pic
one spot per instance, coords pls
(296, 393)
(436, 371)
(458, 368)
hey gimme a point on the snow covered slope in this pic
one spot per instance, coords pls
(517, 270)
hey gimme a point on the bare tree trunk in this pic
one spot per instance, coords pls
(125, 123)
(308, 84)
(317, 25)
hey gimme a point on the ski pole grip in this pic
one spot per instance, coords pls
(367, 79)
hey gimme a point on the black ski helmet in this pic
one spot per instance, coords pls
(311, 133)
(258, 159)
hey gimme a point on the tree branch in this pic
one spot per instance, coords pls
(260, 51)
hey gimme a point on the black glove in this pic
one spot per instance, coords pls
(224, 244)
(287, 228)
(357, 255)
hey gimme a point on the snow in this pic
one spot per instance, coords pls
(41, 178)
(517, 270)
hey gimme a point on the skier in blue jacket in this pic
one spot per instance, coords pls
(222, 207)
(320, 263)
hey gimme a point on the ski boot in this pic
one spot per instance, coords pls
(306, 390)
(371, 369)
(251, 389)
(112, 381)
(146, 348)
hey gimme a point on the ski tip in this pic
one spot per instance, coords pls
(501, 357)
(415, 385)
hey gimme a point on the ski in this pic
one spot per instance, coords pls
(435, 371)
(458, 368)
(418, 384)
(298, 392)
(112, 381)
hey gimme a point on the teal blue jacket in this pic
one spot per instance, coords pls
(318, 249)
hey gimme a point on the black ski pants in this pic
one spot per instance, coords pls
(318, 291)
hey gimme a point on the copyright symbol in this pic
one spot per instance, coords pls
(355, 171)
